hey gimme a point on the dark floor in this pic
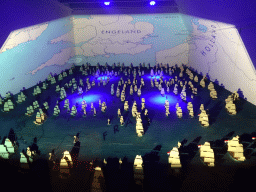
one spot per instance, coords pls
(161, 136)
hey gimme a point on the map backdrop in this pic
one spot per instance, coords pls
(30, 54)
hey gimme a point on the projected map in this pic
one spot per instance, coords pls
(207, 46)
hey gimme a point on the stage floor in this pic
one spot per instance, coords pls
(161, 135)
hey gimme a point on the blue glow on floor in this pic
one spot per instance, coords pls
(103, 78)
(89, 98)
(160, 100)
(157, 77)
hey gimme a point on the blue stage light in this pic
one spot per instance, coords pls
(160, 100)
(152, 3)
(157, 77)
(103, 78)
(106, 3)
(89, 98)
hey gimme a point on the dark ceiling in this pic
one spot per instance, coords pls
(238, 12)
(119, 4)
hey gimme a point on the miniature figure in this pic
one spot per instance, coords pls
(179, 112)
(142, 106)
(122, 121)
(146, 112)
(126, 106)
(139, 92)
(103, 107)
(162, 92)
(167, 112)
(175, 91)
(94, 112)
(119, 113)
(75, 139)
(80, 90)
(84, 115)
(135, 88)
(203, 118)
(92, 106)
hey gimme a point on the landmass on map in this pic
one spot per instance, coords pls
(223, 56)
(23, 35)
(102, 35)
